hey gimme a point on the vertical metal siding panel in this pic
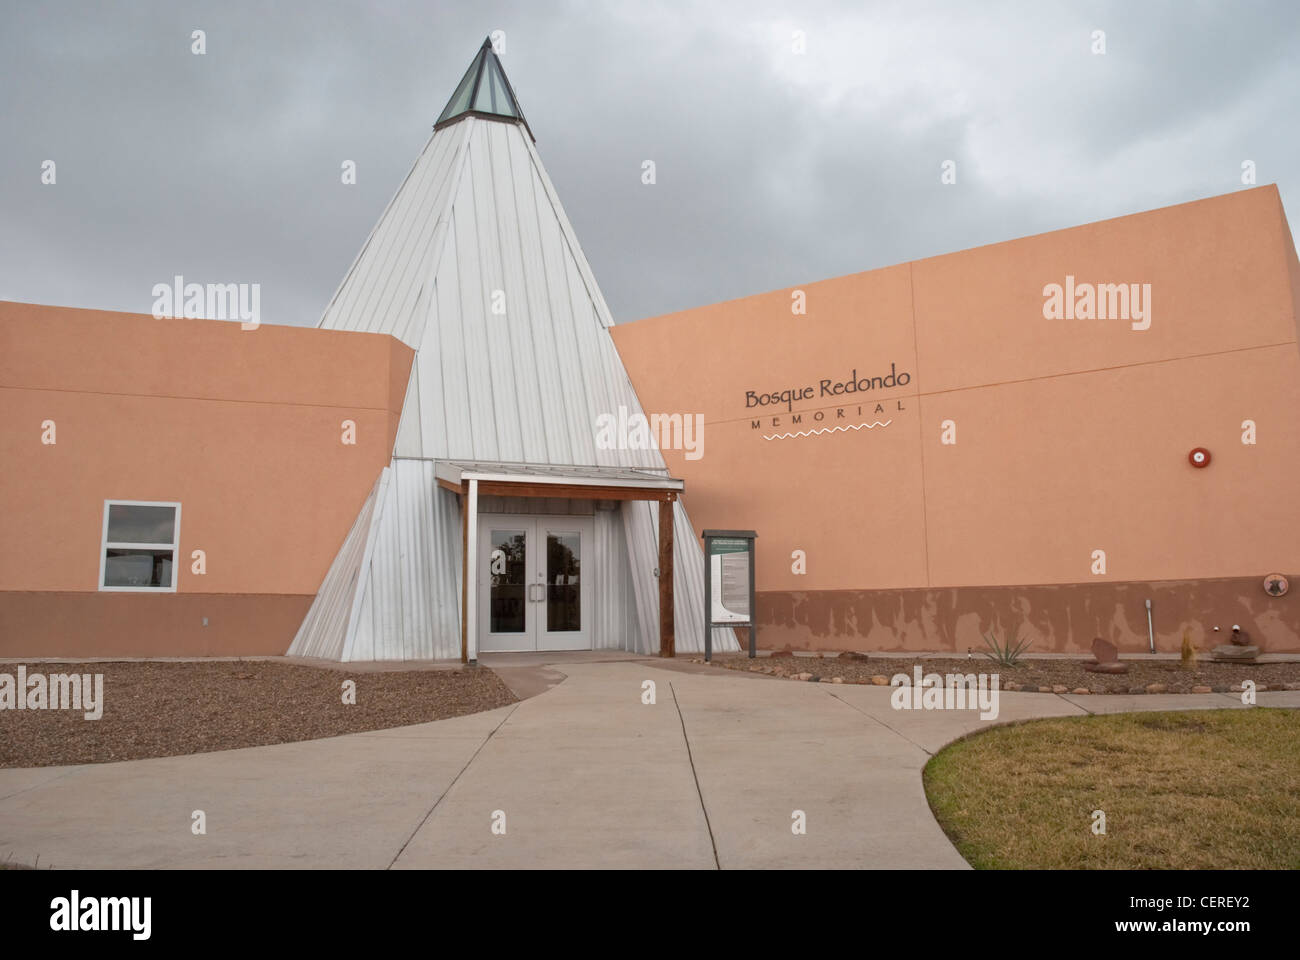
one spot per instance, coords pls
(425, 560)
(355, 306)
(386, 577)
(630, 630)
(447, 404)
(417, 278)
(551, 414)
(356, 622)
(508, 444)
(363, 638)
(386, 295)
(519, 320)
(449, 556)
(401, 568)
(335, 310)
(603, 315)
(408, 568)
(409, 441)
(688, 585)
(471, 318)
(601, 580)
(640, 524)
(366, 641)
(410, 283)
(420, 578)
(571, 395)
(591, 385)
(388, 639)
(377, 584)
(615, 620)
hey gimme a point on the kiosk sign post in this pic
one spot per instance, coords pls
(729, 585)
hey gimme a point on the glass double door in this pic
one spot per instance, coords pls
(534, 583)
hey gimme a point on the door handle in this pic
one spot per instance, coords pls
(536, 586)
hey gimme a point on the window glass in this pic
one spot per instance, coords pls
(137, 523)
(563, 582)
(507, 599)
(137, 568)
(139, 548)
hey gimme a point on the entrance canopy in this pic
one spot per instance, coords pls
(544, 480)
(472, 479)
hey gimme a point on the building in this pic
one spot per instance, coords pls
(337, 481)
(951, 448)
(997, 439)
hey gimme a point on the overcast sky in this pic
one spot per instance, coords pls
(773, 168)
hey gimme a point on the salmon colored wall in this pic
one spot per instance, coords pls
(1057, 618)
(52, 624)
(1072, 435)
(243, 428)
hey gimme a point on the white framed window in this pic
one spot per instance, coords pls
(139, 546)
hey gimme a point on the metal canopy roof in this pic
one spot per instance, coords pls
(457, 471)
(484, 91)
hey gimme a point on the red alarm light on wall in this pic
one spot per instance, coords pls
(1200, 457)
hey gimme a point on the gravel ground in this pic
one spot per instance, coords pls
(1032, 674)
(159, 709)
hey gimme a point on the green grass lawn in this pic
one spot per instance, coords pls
(1191, 790)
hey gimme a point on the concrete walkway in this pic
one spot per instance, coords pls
(583, 775)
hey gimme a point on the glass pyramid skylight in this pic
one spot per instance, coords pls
(484, 91)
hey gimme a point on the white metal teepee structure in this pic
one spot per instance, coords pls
(476, 267)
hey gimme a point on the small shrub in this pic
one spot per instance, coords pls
(1007, 654)
(1189, 650)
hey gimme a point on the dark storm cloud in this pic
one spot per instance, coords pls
(773, 168)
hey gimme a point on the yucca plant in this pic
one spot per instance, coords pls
(1007, 654)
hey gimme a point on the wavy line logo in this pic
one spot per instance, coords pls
(812, 433)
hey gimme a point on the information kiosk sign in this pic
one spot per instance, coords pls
(729, 584)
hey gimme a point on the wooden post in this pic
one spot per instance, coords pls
(464, 579)
(471, 572)
(667, 640)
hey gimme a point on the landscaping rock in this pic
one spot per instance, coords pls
(173, 708)
(1106, 667)
(1080, 690)
(837, 679)
(1156, 688)
(1034, 675)
(1060, 688)
(1201, 689)
(1107, 655)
